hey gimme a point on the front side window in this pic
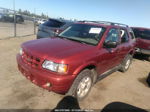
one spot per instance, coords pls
(84, 33)
(140, 33)
(112, 35)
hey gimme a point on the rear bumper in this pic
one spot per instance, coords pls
(42, 34)
(143, 51)
(41, 77)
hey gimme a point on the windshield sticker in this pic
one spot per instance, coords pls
(95, 30)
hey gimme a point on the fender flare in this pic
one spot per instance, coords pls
(83, 66)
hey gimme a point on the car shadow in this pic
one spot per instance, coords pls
(71, 104)
(68, 103)
(143, 81)
(140, 57)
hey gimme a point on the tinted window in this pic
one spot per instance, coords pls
(18, 16)
(113, 35)
(144, 34)
(53, 23)
(85, 33)
(132, 35)
(124, 36)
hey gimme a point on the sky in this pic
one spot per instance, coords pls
(131, 12)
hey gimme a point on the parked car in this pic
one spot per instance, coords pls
(143, 41)
(19, 19)
(1, 15)
(41, 21)
(10, 18)
(78, 57)
(52, 27)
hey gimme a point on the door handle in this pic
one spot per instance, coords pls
(114, 50)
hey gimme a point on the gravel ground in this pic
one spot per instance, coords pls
(16, 92)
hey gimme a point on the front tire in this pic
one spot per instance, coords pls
(82, 85)
(126, 63)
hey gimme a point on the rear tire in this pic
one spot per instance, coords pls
(148, 58)
(126, 63)
(81, 85)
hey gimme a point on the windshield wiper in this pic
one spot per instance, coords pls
(77, 40)
(71, 39)
(60, 36)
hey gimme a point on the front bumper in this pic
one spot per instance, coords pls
(143, 51)
(42, 78)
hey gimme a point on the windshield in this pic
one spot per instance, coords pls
(140, 33)
(89, 34)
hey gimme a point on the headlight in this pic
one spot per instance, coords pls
(21, 51)
(56, 67)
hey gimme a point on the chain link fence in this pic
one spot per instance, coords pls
(14, 24)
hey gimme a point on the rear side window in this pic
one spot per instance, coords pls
(124, 36)
(140, 33)
(132, 35)
(53, 23)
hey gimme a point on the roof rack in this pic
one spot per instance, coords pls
(106, 23)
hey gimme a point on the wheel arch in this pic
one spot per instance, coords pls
(90, 66)
(131, 52)
(84, 66)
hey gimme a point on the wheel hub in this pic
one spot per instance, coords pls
(84, 86)
(127, 64)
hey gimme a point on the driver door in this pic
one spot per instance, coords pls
(108, 57)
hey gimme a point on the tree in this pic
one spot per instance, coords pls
(28, 13)
(20, 11)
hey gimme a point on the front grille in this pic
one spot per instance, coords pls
(31, 60)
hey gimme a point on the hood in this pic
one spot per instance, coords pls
(55, 48)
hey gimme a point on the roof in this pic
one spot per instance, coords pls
(105, 23)
(61, 20)
(143, 28)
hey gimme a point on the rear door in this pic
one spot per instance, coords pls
(125, 44)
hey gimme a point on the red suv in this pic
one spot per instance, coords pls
(78, 57)
(142, 36)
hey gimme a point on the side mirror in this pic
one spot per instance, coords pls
(110, 44)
